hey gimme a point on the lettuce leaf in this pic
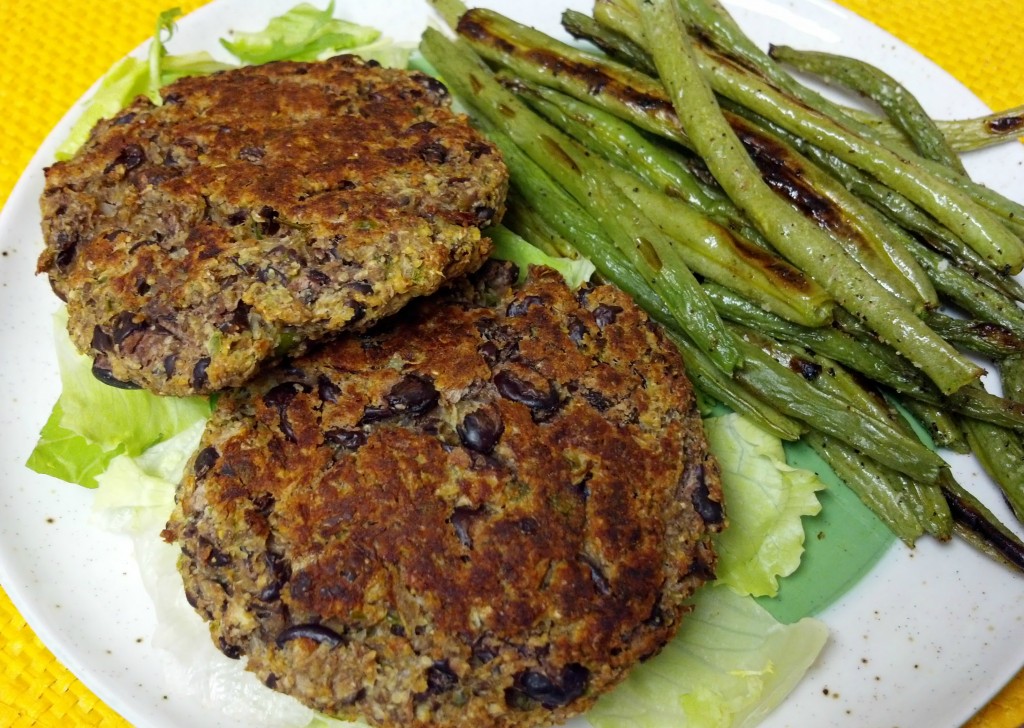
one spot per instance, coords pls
(136, 494)
(301, 34)
(509, 246)
(765, 499)
(164, 68)
(178, 66)
(135, 497)
(132, 77)
(387, 53)
(91, 423)
(67, 455)
(728, 667)
(122, 83)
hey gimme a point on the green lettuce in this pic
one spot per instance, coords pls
(66, 455)
(387, 53)
(122, 83)
(509, 246)
(765, 500)
(164, 68)
(92, 422)
(301, 34)
(729, 666)
(132, 77)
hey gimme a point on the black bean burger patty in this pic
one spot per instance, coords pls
(483, 512)
(259, 209)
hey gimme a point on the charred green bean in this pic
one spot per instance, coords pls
(587, 180)
(988, 339)
(977, 525)
(616, 45)
(791, 233)
(1001, 453)
(795, 397)
(898, 103)
(872, 484)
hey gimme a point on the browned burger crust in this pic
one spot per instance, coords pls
(260, 208)
(480, 514)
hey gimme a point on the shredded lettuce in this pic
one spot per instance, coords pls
(92, 422)
(509, 246)
(729, 666)
(301, 34)
(765, 500)
(135, 494)
(164, 68)
(158, 49)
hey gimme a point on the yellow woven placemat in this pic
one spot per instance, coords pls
(50, 52)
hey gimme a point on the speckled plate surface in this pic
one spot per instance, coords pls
(924, 640)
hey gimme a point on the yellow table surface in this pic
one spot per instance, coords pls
(52, 50)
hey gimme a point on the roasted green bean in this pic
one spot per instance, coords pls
(1011, 372)
(1001, 453)
(795, 397)
(966, 135)
(991, 340)
(709, 378)
(902, 108)
(872, 484)
(978, 526)
(925, 184)
(616, 45)
(642, 243)
(871, 358)
(963, 289)
(790, 232)
(943, 428)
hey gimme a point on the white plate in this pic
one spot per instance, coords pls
(925, 640)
